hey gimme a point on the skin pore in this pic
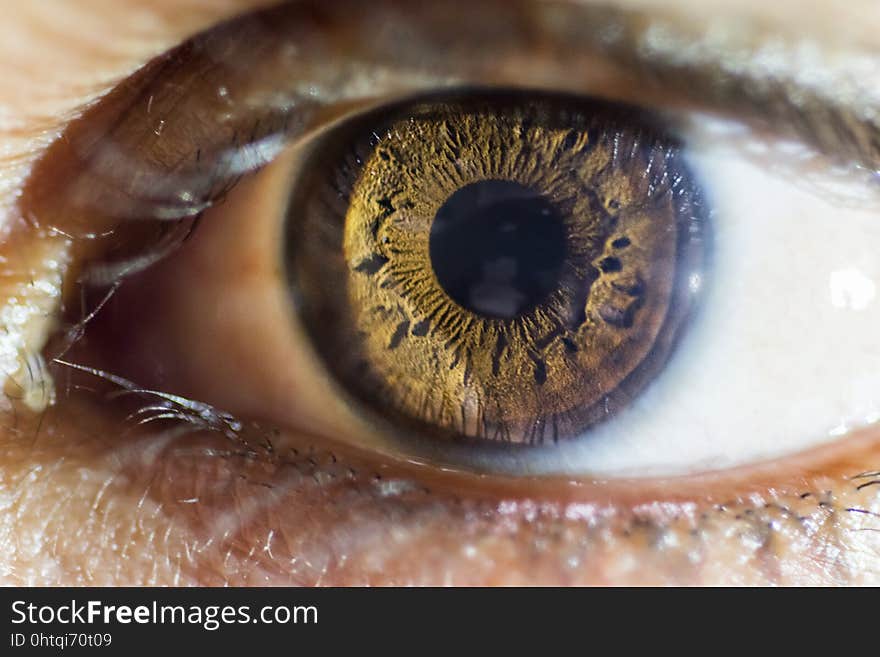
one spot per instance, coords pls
(82, 505)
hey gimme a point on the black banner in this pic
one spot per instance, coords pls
(119, 620)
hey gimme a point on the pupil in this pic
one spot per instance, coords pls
(497, 248)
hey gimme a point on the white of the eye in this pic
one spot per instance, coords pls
(784, 353)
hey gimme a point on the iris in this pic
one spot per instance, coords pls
(496, 267)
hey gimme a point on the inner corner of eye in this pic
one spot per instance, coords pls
(494, 270)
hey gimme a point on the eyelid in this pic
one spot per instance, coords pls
(171, 140)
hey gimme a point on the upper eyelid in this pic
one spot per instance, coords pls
(171, 139)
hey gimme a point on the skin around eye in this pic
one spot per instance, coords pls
(88, 505)
(504, 270)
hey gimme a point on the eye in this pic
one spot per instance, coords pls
(494, 277)
(347, 352)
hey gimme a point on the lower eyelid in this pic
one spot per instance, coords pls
(215, 518)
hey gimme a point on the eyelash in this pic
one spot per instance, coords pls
(214, 76)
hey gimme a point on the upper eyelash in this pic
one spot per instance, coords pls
(147, 151)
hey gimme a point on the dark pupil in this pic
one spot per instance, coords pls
(497, 248)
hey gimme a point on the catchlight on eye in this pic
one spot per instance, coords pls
(495, 267)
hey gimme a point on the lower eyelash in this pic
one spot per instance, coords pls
(188, 414)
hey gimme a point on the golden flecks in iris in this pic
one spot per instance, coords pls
(391, 333)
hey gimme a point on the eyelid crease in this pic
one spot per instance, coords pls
(170, 141)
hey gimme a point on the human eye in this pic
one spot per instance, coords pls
(608, 283)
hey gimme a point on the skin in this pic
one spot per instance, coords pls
(85, 503)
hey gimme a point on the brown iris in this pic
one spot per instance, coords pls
(496, 267)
